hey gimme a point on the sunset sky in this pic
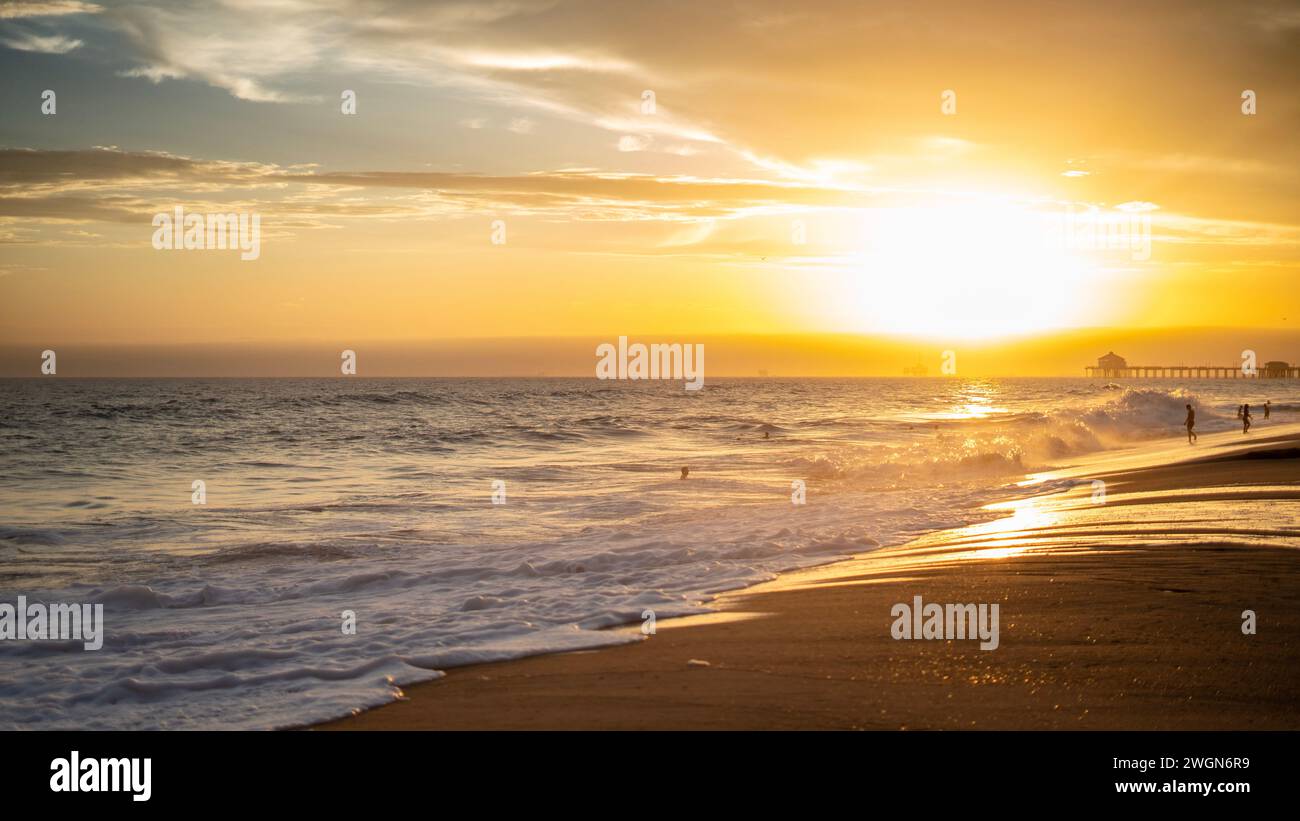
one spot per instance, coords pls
(797, 175)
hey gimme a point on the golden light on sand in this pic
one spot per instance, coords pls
(1013, 535)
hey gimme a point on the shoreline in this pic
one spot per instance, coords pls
(1124, 614)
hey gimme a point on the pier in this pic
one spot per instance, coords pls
(1111, 366)
(1191, 372)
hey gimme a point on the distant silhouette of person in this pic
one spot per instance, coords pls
(1267, 402)
(768, 434)
(1245, 418)
(686, 472)
(1239, 407)
(1191, 423)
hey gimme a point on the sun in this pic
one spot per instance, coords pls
(974, 269)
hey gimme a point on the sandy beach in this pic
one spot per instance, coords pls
(1122, 611)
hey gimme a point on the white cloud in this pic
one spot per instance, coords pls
(52, 8)
(540, 62)
(52, 44)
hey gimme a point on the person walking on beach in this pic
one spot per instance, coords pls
(1191, 423)
(1267, 402)
(1245, 418)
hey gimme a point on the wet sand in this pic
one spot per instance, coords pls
(1122, 613)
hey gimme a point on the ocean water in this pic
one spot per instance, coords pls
(376, 496)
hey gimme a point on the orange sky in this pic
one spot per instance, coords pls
(938, 172)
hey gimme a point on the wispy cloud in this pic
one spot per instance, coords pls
(41, 44)
(50, 8)
(108, 185)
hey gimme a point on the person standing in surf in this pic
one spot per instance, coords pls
(1191, 423)
(1245, 418)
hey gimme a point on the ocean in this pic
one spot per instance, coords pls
(274, 552)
